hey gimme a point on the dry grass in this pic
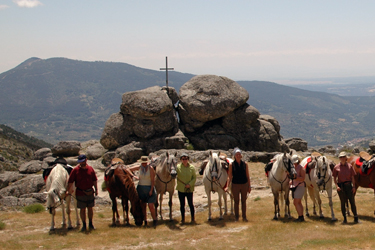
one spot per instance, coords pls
(31, 231)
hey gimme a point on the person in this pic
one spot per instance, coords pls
(146, 187)
(298, 187)
(343, 176)
(186, 178)
(238, 176)
(84, 178)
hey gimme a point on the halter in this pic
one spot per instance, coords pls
(288, 166)
(214, 169)
(169, 167)
(320, 177)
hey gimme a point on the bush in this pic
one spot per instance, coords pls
(257, 198)
(2, 225)
(34, 208)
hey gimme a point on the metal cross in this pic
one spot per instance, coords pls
(166, 70)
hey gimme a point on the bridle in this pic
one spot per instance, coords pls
(321, 178)
(287, 164)
(214, 172)
(171, 165)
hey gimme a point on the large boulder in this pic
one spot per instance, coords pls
(9, 177)
(146, 114)
(208, 97)
(66, 148)
(30, 167)
(95, 151)
(42, 153)
(296, 143)
(29, 184)
(129, 153)
(372, 146)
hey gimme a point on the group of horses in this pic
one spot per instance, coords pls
(318, 179)
(120, 185)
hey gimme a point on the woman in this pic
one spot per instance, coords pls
(343, 176)
(298, 187)
(146, 188)
(186, 178)
(238, 176)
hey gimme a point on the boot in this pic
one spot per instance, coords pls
(83, 229)
(355, 219)
(345, 221)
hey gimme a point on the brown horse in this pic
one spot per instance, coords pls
(361, 180)
(119, 183)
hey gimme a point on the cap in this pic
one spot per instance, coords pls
(81, 158)
(237, 150)
(184, 155)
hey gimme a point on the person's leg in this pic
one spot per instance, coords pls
(82, 214)
(343, 199)
(236, 198)
(351, 198)
(90, 213)
(181, 197)
(243, 191)
(143, 205)
(151, 206)
(189, 197)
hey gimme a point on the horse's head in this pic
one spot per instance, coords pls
(214, 165)
(53, 199)
(137, 214)
(288, 165)
(171, 162)
(322, 167)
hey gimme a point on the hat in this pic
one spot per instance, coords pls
(81, 158)
(144, 159)
(342, 154)
(315, 154)
(60, 160)
(184, 155)
(116, 161)
(364, 155)
(222, 156)
(237, 150)
(295, 159)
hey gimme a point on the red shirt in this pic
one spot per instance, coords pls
(343, 173)
(83, 178)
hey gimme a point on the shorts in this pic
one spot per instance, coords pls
(85, 201)
(143, 192)
(299, 192)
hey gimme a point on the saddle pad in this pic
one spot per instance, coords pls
(308, 161)
(358, 162)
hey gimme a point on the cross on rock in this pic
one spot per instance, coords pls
(166, 71)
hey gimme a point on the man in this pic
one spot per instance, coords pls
(84, 178)
(343, 176)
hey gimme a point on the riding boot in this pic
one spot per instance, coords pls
(183, 219)
(345, 221)
(83, 229)
(192, 219)
(91, 226)
(355, 219)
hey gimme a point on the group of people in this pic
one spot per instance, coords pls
(85, 180)
(343, 177)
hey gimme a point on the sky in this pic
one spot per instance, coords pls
(265, 40)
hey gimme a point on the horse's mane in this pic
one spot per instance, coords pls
(124, 177)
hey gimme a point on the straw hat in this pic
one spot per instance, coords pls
(364, 155)
(222, 156)
(295, 159)
(144, 159)
(315, 154)
(342, 154)
(116, 161)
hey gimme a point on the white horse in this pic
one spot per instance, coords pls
(319, 179)
(57, 183)
(165, 180)
(278, 178)
(214, 180)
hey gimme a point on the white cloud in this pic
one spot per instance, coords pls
(3, 7)
(27, 3)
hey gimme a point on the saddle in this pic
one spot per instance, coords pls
(307, 169)
(365, 161)
(48, 170)
(268, 167)
(224, 164)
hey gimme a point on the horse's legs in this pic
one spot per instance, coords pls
(329, 192)
(313, 198)
(306, 207)
(63, 223)
(220, 205)
(209, 204)
(231, 202)
(125, 210)
(225, 203)
(76, 210)
(52, 212)
(287, 203)
(160, 204)
(170, 205)
(276, 204)
(317, 196)
(114, 211)
(68, 200)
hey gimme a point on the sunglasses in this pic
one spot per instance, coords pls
(184, 158)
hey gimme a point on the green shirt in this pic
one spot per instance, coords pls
(185, 175)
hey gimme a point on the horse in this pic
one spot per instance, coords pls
(278, 178)
(318, 179)
(363, 180)
(214, 179)
(56, 185)
(119, 184)
(165, 180)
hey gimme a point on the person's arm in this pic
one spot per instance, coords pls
(248, 177)
(152, 175)
(193, 178)
(96, 188)
(69, 189)
(303, 174)
(229, 180)
(334, 174)
(353, 180)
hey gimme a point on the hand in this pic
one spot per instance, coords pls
(67, 193)
(226, 189)
(135, 177)
(353, 190)
(150, 193)
(249, 191)
(338, 189)
(96, 192)
(187, 186)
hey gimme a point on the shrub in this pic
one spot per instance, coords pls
(33, 208)
(2, 225)
(257, 198)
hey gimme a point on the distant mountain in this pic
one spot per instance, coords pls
(61, 99)
(16, 148)
(319, 118)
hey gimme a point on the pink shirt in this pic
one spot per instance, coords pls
(343, 173)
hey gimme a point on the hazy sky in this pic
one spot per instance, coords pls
(243, 40)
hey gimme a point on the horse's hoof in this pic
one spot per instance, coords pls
(307, 214)
(70, 228)
(333, 219)
(275, 218)
(321, 217)
(209, 219)
(170, 220)
(52, 229)
(221, 218)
